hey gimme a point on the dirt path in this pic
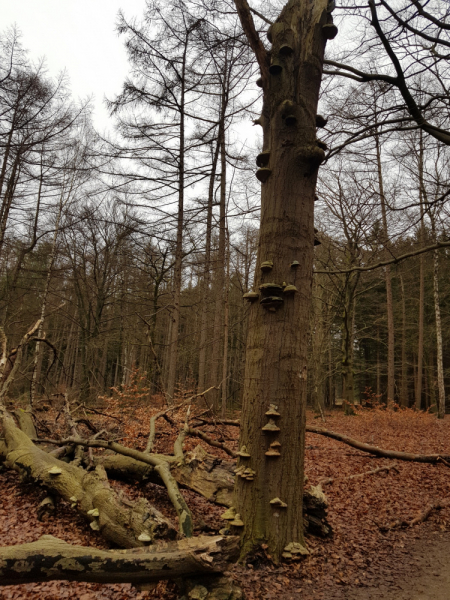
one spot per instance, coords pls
(419, 571)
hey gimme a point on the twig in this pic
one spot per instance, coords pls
(164, 414)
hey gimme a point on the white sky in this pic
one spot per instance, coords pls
(78, 36)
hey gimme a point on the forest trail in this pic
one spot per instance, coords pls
(419, 571)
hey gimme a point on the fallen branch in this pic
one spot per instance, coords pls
(164, 414)
(420, 518)
(330, 480)
(53, 559)
(407, 456)
(209, 440)
(158, 462)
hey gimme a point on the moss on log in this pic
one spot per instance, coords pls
(53, 559)
(118, 523)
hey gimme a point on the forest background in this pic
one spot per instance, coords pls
(137, 249)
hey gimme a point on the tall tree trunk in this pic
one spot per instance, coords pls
(418, 399)
(404, 387)
(387, 272)
(206, 276)
(220, 264)
(177, 277)
(226, 312)
(348, 385)
(439, 355)
(276, 357)
(38, 350)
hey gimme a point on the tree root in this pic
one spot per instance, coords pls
(53, 559)
(407, 456)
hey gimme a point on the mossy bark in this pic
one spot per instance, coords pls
(276, 357)
(119, 523)
(53, 559)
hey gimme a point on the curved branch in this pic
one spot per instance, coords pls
(392, 261)
(253, 38)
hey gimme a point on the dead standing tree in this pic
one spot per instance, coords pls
(276, 358)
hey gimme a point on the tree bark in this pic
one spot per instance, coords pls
(389, 301)
(50, 558)
(117, 523)
(276, 357)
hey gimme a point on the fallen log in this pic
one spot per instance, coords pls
(213, 479)
(89, 492)
(53, 559)
(396, 455)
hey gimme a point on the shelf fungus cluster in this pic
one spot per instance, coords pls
(243, 452)
(272, 413)
(274, 449)
(251, 296)
(229, 514)
(245, 473)
(294, 550)
(266, 266)
(94, 525)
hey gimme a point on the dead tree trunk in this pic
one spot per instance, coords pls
(276, 357)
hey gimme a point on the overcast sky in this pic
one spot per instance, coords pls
(78, 36)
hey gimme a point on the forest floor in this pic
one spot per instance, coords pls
(368, 557)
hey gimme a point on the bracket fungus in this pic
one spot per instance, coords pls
(330, 31)
(55, 471)
(286, 49)
(94, 512)
(263, 174)
(290, 289)
(259, 82)
(251, 296)
(248, 474)
(278, 502)
(276, 67)
(271, 426)
(290, 120)
(273, 452)
(266, 266)
(244, 452)
(295, 264)
(237, 521)
(262, 160)
(272, 412)
(272, 302)
(322, 144)
(295, 549)
(94, 526)
(144, 537)
(270, 288)
(321, 121)
(229, 514)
